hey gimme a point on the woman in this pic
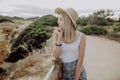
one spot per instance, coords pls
(69, 45)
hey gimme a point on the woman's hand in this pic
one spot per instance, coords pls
(59, 33)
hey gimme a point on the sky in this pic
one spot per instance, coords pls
(30, 8)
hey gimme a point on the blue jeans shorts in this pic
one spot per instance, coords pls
(68, 71)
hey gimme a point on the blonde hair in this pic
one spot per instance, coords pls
(68, 29)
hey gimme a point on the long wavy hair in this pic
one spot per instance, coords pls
(68, 29)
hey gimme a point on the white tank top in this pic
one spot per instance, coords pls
(69, 51)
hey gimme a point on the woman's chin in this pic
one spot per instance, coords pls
(60, 26)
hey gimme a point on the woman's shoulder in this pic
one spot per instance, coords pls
(81, 33)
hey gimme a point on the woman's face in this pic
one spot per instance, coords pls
(60, 21)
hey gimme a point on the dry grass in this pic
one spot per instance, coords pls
(33, 67)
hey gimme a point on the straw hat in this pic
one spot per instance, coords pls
(70, 12)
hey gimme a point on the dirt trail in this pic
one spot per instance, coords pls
(23, 24)
(102, 59)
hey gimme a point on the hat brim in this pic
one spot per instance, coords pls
(60, 11)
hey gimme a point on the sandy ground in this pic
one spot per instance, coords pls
(23, 24)
(102, 59)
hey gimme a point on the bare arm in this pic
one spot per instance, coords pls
(80, 57)
(56, 39)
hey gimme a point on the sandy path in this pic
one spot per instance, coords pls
(24, 25)
(102, 59)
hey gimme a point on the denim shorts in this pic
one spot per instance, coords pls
(68, 71)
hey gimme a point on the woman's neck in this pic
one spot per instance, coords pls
(67, 41)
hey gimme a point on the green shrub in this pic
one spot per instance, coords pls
(47, 20)
(30, 38)
(82, 21)
(114, 36)
(95, 20)
(6, 20)
(116, 28)
(19, 52)
(94, 30)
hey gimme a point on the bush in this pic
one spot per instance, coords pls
(95, 20)
(94, 30)
(114, 36)
(31, 38)
(47, 20)
(6, 20)
(18, 53)
(82, 21)
(116, 28)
